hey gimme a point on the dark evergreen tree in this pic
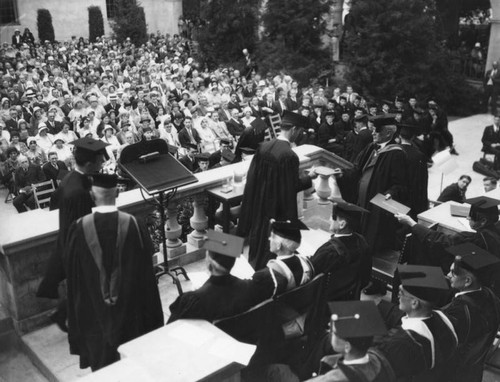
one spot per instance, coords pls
(44, 24)
(130, 21)
(96, 23)
(230, 27)
(292, 38)
(395, 49)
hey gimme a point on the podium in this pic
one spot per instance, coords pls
(159, 174)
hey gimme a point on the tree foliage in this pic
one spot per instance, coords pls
(130, 21)
(96, 23)
(230, 26)
(394, 49)
(292, 37)
(44, 24)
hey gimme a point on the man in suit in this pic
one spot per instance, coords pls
(26, 175)
(234, 125)
(17, 39)
(54, 126)
(189, 135)
(224, 112)
(113, 104)
(490, 84)
(53, 168)
(292, 101)
(280, 105)
(189, 160)
(491, 140)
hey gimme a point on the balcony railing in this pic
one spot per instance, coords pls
(27, 242)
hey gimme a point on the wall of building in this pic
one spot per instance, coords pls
(70, 17)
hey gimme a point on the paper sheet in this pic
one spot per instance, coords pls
(190, 334)
(233, 350)
(445, 161)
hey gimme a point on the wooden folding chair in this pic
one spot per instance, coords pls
(43, 192)
(275, 121)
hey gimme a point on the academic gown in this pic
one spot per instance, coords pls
(347, 258)
(487, 238)
(270, 192)
(377, 369)
(418, 178)
(97, 328)
(74, 201)
(222, 297)
(378, 172)
(414, 355)
(476, 318)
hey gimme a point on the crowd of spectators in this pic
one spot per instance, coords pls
(54, 93)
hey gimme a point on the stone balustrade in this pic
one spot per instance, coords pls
(27, 240)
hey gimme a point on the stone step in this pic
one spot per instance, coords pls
(15, 365)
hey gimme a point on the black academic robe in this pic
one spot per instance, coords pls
(250, 138)
(411, 354)
(356, 142)
(222, 297)
(382, 171)
(270, 192)
(476, 318)
(377, 369)
(347, 258)
(190, 164)
(487, 238)
(102, 313)
(418, 178)
(74, 201)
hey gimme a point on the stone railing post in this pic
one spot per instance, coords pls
(173, 231)
(199, 221)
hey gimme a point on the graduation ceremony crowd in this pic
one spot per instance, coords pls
(69, 109)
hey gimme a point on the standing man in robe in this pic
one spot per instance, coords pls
(74, 201)
(273, 181)
(417, 172)
(112, 292)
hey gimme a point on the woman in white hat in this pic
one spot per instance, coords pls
(43, 138)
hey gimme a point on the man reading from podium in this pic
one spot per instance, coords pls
(112, 292)
(271, 189)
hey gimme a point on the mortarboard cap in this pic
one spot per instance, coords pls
(342, 208)
(379, 121)
(400, 99)
(203, 157)
(423, 282)
(484, 206)
(481, 263)
(290, 119)
(361, 118)
(223, 248)
(247, 151)
(104, 180)
(192, 146)
(92, 145)
(228, 156)
(258, 125)
(225, 141)
(408, 129)
(356, 319)
(289, 229)
(329, 113)
(343, 97)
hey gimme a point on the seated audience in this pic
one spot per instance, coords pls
(456, 191)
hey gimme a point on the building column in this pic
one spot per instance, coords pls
(494, 44)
